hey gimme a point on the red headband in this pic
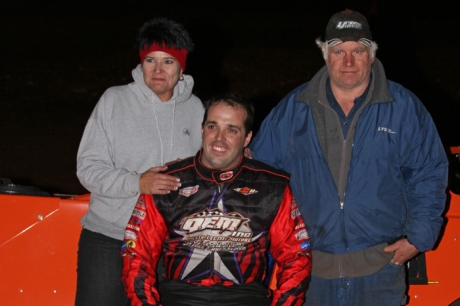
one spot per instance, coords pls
(179, 54)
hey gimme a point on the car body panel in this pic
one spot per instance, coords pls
(38, 249)
(442, 263)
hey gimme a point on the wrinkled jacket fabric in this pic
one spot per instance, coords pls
(216, 230)
(395, 184)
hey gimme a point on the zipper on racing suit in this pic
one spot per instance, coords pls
(219, 202)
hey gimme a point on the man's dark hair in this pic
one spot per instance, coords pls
(164, 31)
(236, 101)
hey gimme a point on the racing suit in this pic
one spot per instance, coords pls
(216, 230)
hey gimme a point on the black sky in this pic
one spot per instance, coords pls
(59, 57)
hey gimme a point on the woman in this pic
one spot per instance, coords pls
(133, 131)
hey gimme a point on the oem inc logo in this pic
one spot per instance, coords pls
(214, 231)
(215, 219)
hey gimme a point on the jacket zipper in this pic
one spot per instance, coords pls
(341, 186)
(342, 181)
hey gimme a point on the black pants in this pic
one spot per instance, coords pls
(99, 271)
(178, 293)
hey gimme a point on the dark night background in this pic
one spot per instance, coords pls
(58, 57)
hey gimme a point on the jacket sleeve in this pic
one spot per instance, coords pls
(270, 142)
(290, 247)
(142, 248)
(425, 176)
(95, 166)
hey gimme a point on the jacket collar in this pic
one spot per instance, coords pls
(215, 175)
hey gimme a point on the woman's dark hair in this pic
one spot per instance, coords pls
(164, 31)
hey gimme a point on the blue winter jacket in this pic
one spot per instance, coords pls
(397, 174)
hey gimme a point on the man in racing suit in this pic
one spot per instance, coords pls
(215, 231)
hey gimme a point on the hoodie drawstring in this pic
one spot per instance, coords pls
(159, 132)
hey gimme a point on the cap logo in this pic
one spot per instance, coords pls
(348, 25)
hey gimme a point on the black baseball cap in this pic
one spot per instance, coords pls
(348, 25)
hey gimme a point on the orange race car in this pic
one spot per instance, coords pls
(39, 236)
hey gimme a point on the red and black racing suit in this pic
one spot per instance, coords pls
(216, 230)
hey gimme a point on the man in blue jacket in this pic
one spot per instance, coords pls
(368, 170)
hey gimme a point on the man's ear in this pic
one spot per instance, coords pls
(373, 59)
(248, 139)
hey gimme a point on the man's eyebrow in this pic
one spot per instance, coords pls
(234, 126)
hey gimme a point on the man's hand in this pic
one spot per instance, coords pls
(403, 251)
(153, 182)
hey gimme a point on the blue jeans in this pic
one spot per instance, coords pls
(386, 287)
(99, 268)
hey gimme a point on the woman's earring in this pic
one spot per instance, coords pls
(181, 78)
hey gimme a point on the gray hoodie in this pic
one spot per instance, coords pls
(130, 131)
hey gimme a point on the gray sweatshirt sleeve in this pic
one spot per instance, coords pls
(96, 169)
